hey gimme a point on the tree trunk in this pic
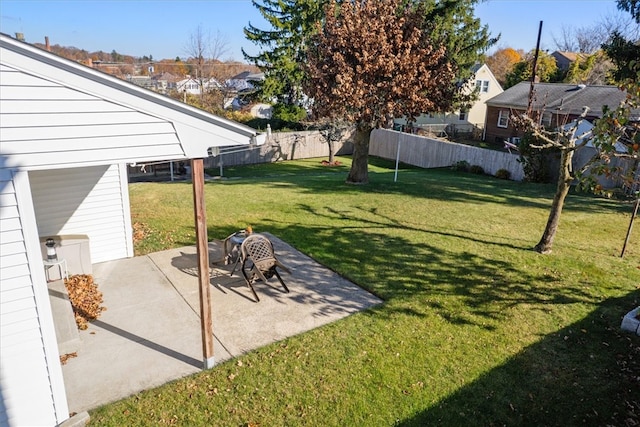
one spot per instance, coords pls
(564, 183)
(359, 173)
(332, 156)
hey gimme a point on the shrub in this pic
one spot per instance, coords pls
(477, 169)
(461, 166)
(238, 116)
(503, 174)
(535, 162)
(288, 113)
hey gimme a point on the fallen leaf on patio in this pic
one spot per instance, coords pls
(85, 299)
(65, 357)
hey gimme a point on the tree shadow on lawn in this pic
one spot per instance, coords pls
(584, 374)
(442, 184)
(284, 168)
(462, 287)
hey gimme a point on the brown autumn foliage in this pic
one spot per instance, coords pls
(502, 62)
(85, 299)
(370, 62)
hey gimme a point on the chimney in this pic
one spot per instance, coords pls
(20, 36)
(46, 44)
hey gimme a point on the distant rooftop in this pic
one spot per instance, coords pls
(560, 97)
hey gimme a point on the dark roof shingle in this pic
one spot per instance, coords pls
(559, 97)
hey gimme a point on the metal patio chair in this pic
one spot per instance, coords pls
(231, 247)
(257, 251)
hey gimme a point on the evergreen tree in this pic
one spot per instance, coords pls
(292, 22)
(622, 53)
(449, 23)
(631, 6)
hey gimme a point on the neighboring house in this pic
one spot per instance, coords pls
(165, 82)
(196, 86)
(244, 81)
(242, 85)
(486, 85)
(556, 103)
(565, 59)
(67, 133)
(142, 81)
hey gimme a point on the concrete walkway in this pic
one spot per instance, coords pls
(150, 332)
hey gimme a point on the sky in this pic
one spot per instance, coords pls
(162, 28)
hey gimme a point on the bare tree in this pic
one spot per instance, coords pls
(207, 51)
(589, 39)
(617, 137)
(622, 23)
(565, 139)
(579, 39)
(196, 48)
(332, 131)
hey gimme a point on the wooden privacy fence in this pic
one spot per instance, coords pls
(281, 146)
(432, 153)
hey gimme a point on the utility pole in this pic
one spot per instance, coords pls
(534, 70)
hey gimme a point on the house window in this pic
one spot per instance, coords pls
(546, 119)
(503, 119)
(462, 116)
(482, 86)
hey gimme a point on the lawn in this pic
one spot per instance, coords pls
(476, 328)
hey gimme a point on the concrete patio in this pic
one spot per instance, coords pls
(150, 332)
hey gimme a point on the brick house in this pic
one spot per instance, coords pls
(556, 104)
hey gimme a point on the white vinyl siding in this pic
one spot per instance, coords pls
(32, 387)
(50, 124)
(84, 201)
(77, 127)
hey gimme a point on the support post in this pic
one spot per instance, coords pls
(395, 175)
(202, 247)
(633, 216)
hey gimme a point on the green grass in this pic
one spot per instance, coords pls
(476, 328)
